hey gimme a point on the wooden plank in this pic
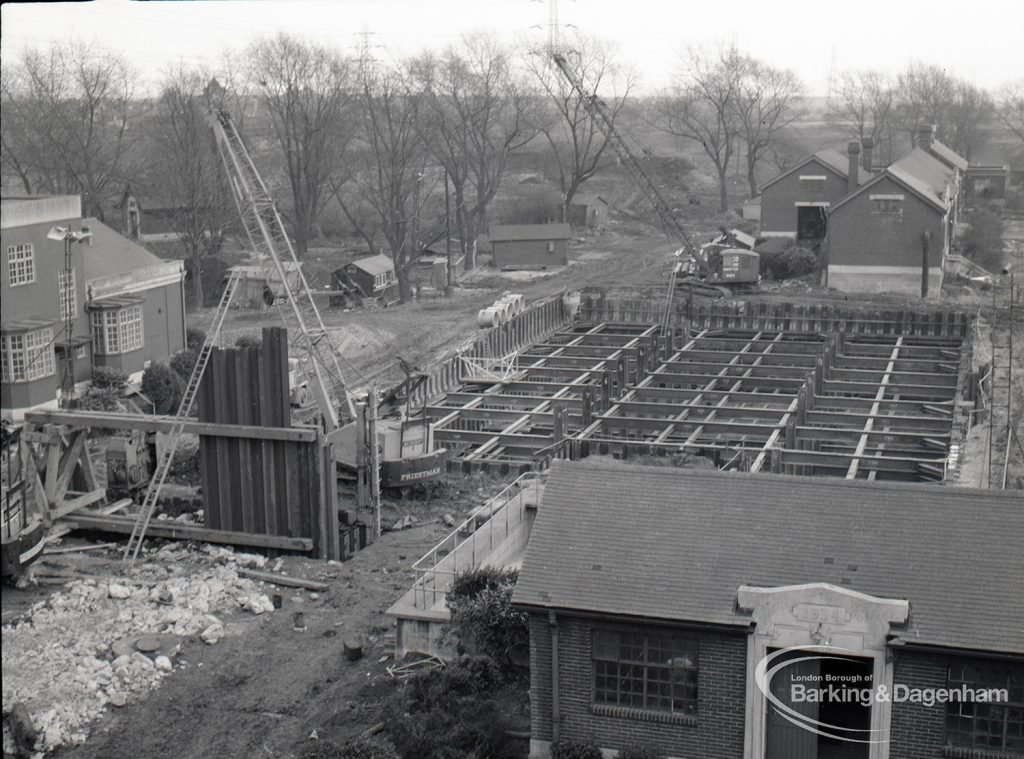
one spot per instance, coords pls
(68, 462)
(283, 580)
(120, 421)
(64, 508)
(180, 531)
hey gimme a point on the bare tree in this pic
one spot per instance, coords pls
(966, 117)
(306, 89)
(577, 145)
(474, 115)
(930, 95)
(1011, 108)
(185, 164)
(766, 104)
(66, 122)
(702, 108)
(866, 107)
(385, 193)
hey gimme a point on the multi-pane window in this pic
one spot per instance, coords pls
(991, 726)
(28, 356)
(649, 670)
(21, 264)
(117, 331)
(68, 295)
(887, 205)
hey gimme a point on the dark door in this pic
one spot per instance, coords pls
(810, 223)
(783, 739)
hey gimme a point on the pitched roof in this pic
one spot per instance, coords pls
(378, 264)
(920, 172)
(831, 159)
(510, 232)
(676, 544)
(111, 253)
(949, 156)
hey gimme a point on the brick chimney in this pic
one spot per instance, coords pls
(924, 136)
(853, 170)
(866, 158)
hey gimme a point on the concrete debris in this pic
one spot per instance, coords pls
(403, 523)
(257, 603)
(449, 520)
(75, 653)
(118, 591)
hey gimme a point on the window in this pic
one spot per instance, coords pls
(987, 726)
(887, 205)
(68, 300)
(28, 356)
(117, 331)
(21, 264)
(652, 671)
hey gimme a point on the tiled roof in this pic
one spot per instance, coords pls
(925, 174)
(948, 155)
(676, 544)
(511, 232)
(111, 253)
(831, 159)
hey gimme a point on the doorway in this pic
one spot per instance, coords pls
(810, 224)
(839, 716)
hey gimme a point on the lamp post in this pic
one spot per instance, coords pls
(68, 236)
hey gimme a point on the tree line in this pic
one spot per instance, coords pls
(386, 141)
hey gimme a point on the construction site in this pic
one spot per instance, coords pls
(269, 566)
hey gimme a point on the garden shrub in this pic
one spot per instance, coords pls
(450, 713)
(108, 378)
(787, 264)
(194, 339)
(482, 617)
(183, 362)
(575, 749)
(375, 748)
(100, 399)
(163, 387)
(248, 341)
(983, 242)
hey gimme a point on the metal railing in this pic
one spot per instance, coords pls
(472, 541)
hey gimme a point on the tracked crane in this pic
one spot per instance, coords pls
(699, 275)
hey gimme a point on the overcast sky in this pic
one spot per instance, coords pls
(979, 40)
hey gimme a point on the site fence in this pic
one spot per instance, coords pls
(647, 307)
(537, 321)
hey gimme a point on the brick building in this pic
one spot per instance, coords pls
(655, 593)
(126, 303)
(795, 203)
(878, 234)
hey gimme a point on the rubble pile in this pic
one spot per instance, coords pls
(81, 649)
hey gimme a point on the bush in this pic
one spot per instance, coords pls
(100, 399)
(450, 713)
(482, 617)
(983, 242)
(570, 749)
(641, 751)
(163, 386)
(108, 378)
(787, 264)
(359, 749)
(183, 362)
(194, 339)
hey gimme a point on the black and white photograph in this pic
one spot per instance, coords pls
(512, 379)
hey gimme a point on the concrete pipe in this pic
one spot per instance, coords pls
(504, 311)
(487, 318)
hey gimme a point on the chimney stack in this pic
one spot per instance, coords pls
(853, 172)
(924, 136)
(867, 157)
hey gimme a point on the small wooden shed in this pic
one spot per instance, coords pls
(530, 246)
(255, 290)
(587, 210)
(370, 277)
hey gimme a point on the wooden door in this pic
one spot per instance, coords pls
(783, 739)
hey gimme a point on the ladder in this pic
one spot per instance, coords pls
(265, 232)
(605, 123)
(163, 467)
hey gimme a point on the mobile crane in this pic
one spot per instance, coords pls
(712, 272)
